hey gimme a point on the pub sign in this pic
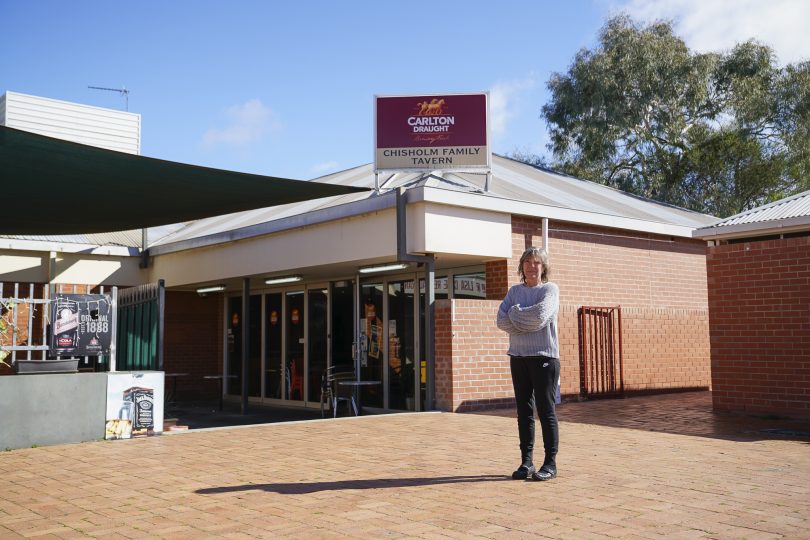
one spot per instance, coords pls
(436, 132)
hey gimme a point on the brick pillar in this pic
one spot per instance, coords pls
(497, 279)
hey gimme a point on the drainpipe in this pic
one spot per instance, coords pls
(430, 296)
(144, 249)
(545, 234)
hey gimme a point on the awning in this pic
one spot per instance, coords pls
(51, 186)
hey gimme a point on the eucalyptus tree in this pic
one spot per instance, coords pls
(715, 132)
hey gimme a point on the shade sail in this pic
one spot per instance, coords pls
(51, 186)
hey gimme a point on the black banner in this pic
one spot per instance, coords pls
(81, 325)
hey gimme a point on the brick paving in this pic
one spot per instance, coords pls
(651, 467)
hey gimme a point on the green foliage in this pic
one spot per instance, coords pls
(6, 328)
(716, 133)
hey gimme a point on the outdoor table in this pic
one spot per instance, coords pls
(220, 378)
(356, 386)
(171, 398)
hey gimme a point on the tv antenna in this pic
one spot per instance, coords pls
(123, 91)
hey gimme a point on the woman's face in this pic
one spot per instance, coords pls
(532, 268)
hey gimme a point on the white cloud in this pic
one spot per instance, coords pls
(247, 123)
(717, 25)
(504, 100)
(323, 168)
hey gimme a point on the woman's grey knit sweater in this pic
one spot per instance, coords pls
(529, 316)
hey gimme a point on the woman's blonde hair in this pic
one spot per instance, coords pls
(539, 254)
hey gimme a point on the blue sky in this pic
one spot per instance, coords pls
(286, 88)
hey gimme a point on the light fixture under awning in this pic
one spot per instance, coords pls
(382, 268)
(282, 279)
(211, 289)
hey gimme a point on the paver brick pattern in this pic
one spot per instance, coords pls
(428, 475)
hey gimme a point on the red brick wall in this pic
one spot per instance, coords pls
(759, 307)
(193, 342)
(472, 371)
(660, 283)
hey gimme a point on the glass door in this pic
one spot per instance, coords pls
(294, 365)
(318, 340)
(372, 349)
(254, 366)
(234, 346)
(342, 318)
(401, 367)
(234, 337)
(272, 346)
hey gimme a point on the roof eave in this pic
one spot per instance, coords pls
(354, 208)
(510, 206)
(427, 194)
(65, 247)
(742, 230)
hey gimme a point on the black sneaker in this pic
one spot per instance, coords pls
(545, 473)
(523, 472)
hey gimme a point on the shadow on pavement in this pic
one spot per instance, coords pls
(290, 488)
(686, 413)
(200, 415)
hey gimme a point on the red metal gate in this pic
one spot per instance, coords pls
(601, 371)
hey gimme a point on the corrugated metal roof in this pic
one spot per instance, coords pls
(511, 179)
(120, 238)
(796, 206)
(132, 238)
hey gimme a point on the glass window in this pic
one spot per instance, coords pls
(470, 286)
(272, 345)
(342, 325)
(294, 322)
(234, 337)
(372, 351)
(439, 288)
(401, 384)
(318, 340)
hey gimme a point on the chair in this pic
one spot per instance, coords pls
(333, 393)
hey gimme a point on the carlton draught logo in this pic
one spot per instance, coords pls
(434, 107)
(430, 117)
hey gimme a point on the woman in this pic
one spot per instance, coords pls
(529, 315)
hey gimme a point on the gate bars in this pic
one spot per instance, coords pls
(139, 344)
(32, 304)
(602, 369)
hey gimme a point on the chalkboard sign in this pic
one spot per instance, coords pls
(81, 325)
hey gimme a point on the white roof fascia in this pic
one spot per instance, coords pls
(489, 202)
(753, 229)
(427, 194)
(352, 209)
(61, 247)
